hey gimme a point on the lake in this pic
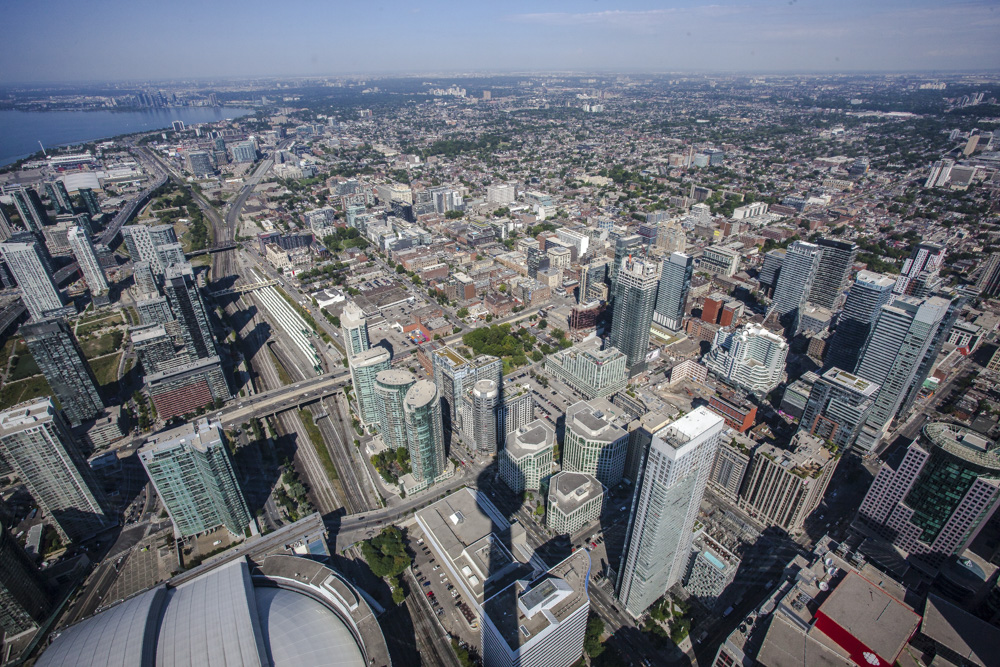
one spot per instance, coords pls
(20, 131)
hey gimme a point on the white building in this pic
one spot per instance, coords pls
(752, 358)
(83, 250)
(575, 501)
(527, 457)
(501, 194)
(38, 291)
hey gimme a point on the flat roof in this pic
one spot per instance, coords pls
(530, 438)
(875, 618)
(972, 638)
(569, 490)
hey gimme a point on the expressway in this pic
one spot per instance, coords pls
(124, 215)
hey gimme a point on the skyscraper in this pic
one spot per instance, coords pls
(37, 443)
(6, 228)
(355, 328)
(25, 600)
(934, 501)
(57, 194)
(424, 431)
(58, 354)
(752, 358)
(83, 250)
(894, 356)
(28, 206)
(390, 391)
(38, 291)
(594, 443)
(798, 272)
(90, 201)
(189, 310)
(833, 273)
(593, 286)
(365, 366)
(526, 459)
(485, 395)
(868, 294)
(190, 468)
(671, 296)
(624, 247)
(145, 281)
(838, 406)
(988, 282)
(920, 274)
(771, 269)
(667, 497)
(142, 241)
(635, 300)
(200, 163)
(154, 347)
(454, 374)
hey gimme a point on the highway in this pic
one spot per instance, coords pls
(124, 215)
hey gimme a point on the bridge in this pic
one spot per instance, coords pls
(213, 249)
(279, 400)
(124, 215)
(243, 289)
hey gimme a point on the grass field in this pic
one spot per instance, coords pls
(25, 368)
(319, 444)
(106, 344)
(13, 393)
(106, 368)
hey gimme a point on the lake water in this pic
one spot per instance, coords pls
(20, 131)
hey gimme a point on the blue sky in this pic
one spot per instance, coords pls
(98, 40)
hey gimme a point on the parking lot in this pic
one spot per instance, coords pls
(454, 612)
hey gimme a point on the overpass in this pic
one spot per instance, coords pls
(279, 400)
(124, 215)
(222, 247)
(244, 288)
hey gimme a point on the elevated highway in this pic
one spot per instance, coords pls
(275, 401)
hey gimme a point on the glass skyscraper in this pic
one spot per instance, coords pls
(635, 300)
(58, 354)
(189, 310)
(424, 431)
(868, 294)
(390, 390)
(675, 281)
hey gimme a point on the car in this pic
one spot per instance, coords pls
(427, 583)
(430, 594)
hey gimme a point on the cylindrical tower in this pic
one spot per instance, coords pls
(424, 431)
(485, 398)
(390, 391)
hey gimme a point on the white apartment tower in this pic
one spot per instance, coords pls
(83, 250)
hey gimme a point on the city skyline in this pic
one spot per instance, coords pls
(520, 36)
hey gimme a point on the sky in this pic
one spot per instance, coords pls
(111, 40)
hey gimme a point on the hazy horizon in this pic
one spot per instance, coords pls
(112, 40)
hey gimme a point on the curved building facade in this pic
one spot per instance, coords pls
(485, 399)
(390, 390)
(594, 444)
(424, 431)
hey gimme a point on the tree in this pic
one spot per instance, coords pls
(542, 324)
(462, 313)
(592, 640)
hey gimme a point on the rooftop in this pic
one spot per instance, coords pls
(569, 490)
(852, 382)
(964, 444)
(530, 438)
(199, 435)
(597, 419)
(970, 637)
(420, 394)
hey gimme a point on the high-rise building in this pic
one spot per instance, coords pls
(58, 354)
(541, 623)
(186, 386)
(37, 443)
(833, 273)
(38, 291)
(365, 366)
(635, 300)
(244, 151)
(154, 310)
(28, 206)
(770, 269)
(667, 497)
(640, 435)
(624, 247)
(671, 296)
(145, 281)
(933, 502)
(485, 398)
(90, 201)
(893, 358)
(154, 347)
(355, 328)
(141, 242)
(189, 310)
(595, 441)
(424, 431)
(988, 282)
(56, 191)
(752, 358)
(593, 285)
(920, 274)
(190, 468)
(868, 294)
(798, 272)
(784, 486)
(454, 374)
(838, 407)
(200, 163)
(575, 501)
(501, 193)
(83, 250)
(170, 253)
(515, 410)
(25, 600)
(6, 227)
(390, 390)
(526, 460)
(729, 468)
(590, 370)
(710, 572)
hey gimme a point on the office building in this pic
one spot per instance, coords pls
(730, 465)
(183, 388)
(90, 201)
(390, 390)
(37, 443)
(634, 303)
(38, 291)
(771, 269)
(270, 608)
(189, 310)
(894, 358)
(710, 572)
(751, 358)
(83, 250)
(454, 375)
(58, 355)
(921, 270)
(838, 407)
(798, 273)
(200, 163)
(25, 600)
(541, 623)
(596, 442)
(833, 273)
(355, 327)
(190, 469)
(869, 292)
(29, 207)
(671, 297)
(784, 486)
(141, 241)
(485, 398)
(526, 460)
(424, 431)
(931, 503)
(365, 367)
(575, 501)
(667, 498)
(588, 369)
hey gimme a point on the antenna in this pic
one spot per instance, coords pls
(43, 148)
